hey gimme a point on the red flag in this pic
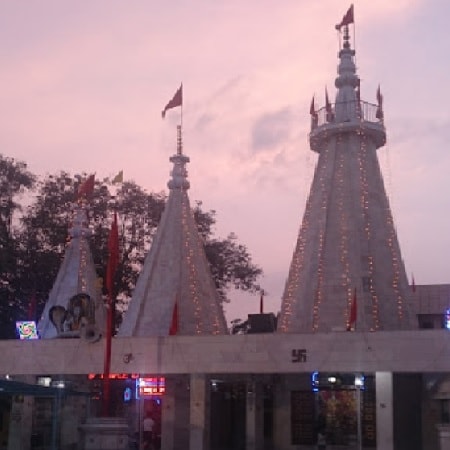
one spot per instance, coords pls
(173, 330)
(261, 303)
(177, 100)
(32, 306)
(113, 259)
(347, 19)
(353, 313)
(87, 187)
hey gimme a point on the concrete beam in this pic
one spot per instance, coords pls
(396, 351)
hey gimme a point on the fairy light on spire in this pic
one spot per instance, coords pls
(347, 238)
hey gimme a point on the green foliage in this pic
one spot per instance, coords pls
(15, 179)
(41, 241)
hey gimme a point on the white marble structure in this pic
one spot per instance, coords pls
(347, 239)
(76, 275)
(175, 271)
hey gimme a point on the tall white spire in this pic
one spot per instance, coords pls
(347, 251)
(176, 278)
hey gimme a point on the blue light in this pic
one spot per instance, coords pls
(315, 381)
(447, 319)
(127, 394)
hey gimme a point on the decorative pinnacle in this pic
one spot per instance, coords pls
(179, 173)
(179, 141)
(346, 43)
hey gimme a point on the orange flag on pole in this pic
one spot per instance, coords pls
(86, 188)
(177, 100)
(347, 19)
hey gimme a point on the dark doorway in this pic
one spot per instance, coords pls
(227, 415)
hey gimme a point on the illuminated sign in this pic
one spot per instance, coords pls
(150, 387)
(114, 376)
(27, 329)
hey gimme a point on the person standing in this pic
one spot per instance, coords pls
(148, 425)
(321, 441)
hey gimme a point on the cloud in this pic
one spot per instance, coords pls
(271, 130)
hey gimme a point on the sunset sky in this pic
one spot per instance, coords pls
(83, 84)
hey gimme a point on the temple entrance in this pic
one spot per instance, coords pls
(339, 411)
(227, 414)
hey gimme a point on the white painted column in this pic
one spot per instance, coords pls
(282, 414)
(198, 404)
(385, 410)
(20, 423)
(254, 432)
(168, 415)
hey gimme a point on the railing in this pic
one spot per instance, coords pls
(348, 111)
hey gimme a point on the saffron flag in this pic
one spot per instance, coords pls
(353, 313)
(347, 19)
(177, 100)
(118, 178)
(113, 259)
(87, 187)
(173, 330)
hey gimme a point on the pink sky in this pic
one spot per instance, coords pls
(83, 85)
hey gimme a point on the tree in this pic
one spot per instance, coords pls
(45, 230)
(15, 179)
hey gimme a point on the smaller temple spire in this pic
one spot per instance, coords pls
(175, 292)
(74, 307)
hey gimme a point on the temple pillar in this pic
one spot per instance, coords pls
(254, 430)
(385, 410)
(168, 415)
(199, 401)
(20, 424)
(175, 413)
(282, 413)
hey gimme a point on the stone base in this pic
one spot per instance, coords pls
(105, 433)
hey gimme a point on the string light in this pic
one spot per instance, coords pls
(201, 296)
(361, 242)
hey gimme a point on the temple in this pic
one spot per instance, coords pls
(347, 249)
(75, 306)
(175, 292)
(349, 366)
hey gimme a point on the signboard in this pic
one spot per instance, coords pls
(150, 387)
(27, 329)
